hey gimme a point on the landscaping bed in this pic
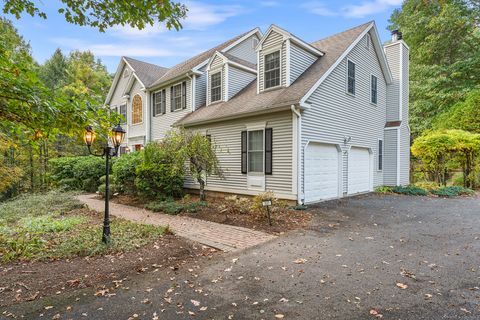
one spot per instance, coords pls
(427, 189)
(236, 212)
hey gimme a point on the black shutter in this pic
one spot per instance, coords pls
(184, 95)
(154, 106)
(164, 100)
(172, 107)
(244, 151)
(268, 150)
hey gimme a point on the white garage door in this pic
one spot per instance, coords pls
(321, 172)
(358, 170)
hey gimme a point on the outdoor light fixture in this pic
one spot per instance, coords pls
(117, 135)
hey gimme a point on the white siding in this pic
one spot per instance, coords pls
(163, 123)
(136, 130)
(227, 137)
(336, 114)
(300, 60)
(237, 80)
(273, 40)
(245, 50)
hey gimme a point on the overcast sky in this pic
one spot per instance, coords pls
(208, 24)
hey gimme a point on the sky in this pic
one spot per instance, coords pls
(208, 24)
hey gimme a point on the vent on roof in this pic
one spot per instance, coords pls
(396, 35)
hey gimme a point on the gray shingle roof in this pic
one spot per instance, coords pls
(247, 101)
(146, 72)
(187, 65)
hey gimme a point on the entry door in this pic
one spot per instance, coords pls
(359, 170)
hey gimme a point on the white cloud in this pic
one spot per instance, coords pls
(269, 3)
(201, 16)
(352, 11)
(134, 33)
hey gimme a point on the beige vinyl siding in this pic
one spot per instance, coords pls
(390, 157)
(237, 80)
(245, 50)
(335, 114)
(136, 130)
(273, 40)
(393, 57)
(300, 60)
(163, 123)
(227, 137)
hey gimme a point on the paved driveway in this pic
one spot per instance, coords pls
(346, 266)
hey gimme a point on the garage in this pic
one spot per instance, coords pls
(359, 170)
(322, 172)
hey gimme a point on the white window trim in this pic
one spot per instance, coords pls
(181, 97)
(378, 154)
(255, 173)
(141, 122)
(211, 74)
(126, 111)
(165, 106)
(346, 79)
(256, 177)
(267, 52)
(370, 95)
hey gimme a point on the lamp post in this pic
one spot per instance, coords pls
(116, 136)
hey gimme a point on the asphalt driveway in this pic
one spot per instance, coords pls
(367, 257)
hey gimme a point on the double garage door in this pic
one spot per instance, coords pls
(324, 174)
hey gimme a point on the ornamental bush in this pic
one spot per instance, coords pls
(77, 173)
(452, 191)
(124, 171)
(410, 190)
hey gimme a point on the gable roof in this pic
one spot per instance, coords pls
(231, 59)
(146, 72)
(248, 101)
(186, 66)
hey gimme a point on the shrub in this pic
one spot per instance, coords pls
(457, 179)
(172, 207)
(124, 171)
(72, 173)
(112, 189)
(383, 189)
(427, 185)
(89, 168)
(62, 173)
(410, 190)
(452, 191)
(161, 173)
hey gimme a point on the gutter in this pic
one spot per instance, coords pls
(298, 143)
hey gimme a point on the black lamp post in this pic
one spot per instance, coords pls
(117, 135)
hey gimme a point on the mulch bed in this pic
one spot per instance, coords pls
(29, 281)
(282, 222)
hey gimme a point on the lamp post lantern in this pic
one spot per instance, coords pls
(117, 135)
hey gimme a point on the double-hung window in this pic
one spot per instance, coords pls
(178, 96)
(255, 151)
(380, 155)
(272, 69)
(122, 110)
(216, 87)
(159, 102)
(373, 88)
(351, 77)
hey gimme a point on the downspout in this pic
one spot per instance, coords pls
(300, 197)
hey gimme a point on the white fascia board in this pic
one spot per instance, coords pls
(216, 54)
(115, 81)
(241, 66)
(332, 67)
(287, 62)
(381, 55)
(287, 35)
(245, 37)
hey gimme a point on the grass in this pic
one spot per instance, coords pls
(52, 226)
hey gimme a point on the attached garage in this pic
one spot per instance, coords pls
(322, 172)
(359, 170)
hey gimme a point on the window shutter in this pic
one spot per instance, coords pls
(184, 94)
(244, 151)
(268, 150)
(163, 108)
(172, 107)
(154, 105)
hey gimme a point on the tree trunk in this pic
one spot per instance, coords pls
(31, 168)
(202, 189)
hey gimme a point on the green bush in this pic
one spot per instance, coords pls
(112, 189)
(72, 173)
(452, 191)
(89, 168)
(161, 173)
(410, 190)
(457, 179)
(383, 189)
(124, 171)
(62, 173)
(172, 207)
(427, 185)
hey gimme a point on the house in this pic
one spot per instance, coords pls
(309, 121)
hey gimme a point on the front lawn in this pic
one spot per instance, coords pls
(55, 225)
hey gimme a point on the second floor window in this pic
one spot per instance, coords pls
(178, 96)
(272, 69)
(122, 110)
(159, 102)
(351, 77)
(137, 116)
(373, 87)
(216, 87)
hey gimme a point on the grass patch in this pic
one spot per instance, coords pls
(39, 227)
(172, 207)
(452, 191)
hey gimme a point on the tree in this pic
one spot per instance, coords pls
(464, 115)
(107, 13)
(444, 39)
(53, 72)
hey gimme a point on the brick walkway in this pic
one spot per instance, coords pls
(216, 235)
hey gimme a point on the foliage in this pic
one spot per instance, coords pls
(384, 189)
(162, 171)
(112, 189)
(36, 227)
(464, 115)
(173, 207)
(427, 185)
(103, 14)
(124, 171)
(77, 172)
(452, 191)
(445, 55)
(410, 190)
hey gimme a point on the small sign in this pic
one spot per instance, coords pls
(267, 202)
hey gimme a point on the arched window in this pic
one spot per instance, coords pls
(137, 109)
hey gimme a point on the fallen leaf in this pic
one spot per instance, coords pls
(279, 316)
(402, 285)
(300, 261)
(195, 303)
(48, 307)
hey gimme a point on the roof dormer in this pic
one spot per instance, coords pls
(282, 58)
(226, 76)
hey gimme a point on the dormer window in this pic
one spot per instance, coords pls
(272, 69)
(216, 87)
